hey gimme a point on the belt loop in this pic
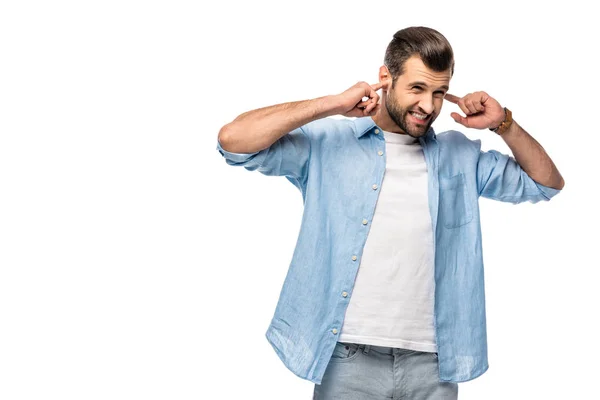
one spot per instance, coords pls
(366, 348)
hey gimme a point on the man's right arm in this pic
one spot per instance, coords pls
(276, 140)
(258, 129)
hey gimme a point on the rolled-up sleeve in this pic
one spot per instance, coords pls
(500, 177)
(289, 156)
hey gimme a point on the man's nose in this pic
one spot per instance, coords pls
(426, 104)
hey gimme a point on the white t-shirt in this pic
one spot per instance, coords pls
(393, 296)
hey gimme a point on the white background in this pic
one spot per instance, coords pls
(136, 264)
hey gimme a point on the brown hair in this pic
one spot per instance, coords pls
(430, 45)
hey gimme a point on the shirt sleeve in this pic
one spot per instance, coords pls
(500, 177)
(289, 156)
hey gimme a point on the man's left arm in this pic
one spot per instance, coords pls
(532, 157)
(531, 175)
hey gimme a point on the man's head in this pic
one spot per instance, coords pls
(418, 66)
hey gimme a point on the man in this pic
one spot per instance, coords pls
(384, 192)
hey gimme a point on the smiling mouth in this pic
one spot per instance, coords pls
(418, 116)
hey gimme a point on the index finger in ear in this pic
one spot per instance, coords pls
(377, 86)
(452, 98)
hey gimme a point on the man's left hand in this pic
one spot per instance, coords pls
(482, 111)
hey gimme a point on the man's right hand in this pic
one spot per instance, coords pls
(352, 103)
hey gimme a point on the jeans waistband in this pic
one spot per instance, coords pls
(383, 349)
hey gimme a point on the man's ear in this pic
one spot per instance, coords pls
(385, 78)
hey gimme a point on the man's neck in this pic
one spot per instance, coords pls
(382, 119)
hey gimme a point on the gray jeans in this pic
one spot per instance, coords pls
(359, 371)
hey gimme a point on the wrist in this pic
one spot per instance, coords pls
(331, 105)
(505, 125)
(512, 132)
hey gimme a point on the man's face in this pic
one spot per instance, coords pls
(416, 99)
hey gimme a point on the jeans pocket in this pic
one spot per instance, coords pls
(344, 352)
(455, 208)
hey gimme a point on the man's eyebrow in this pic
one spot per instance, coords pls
(419, 83)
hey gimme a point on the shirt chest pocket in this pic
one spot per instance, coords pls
(455, 209)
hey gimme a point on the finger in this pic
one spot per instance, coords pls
(463, 107)
(369, 89)
(375, 109)
(460, 119)
(377, 86)
(483, 97)
(478, 99)
(363, 104)
(452, 98)
(479, 106)
(370, 107)
(470, 104)
(374, 97)
(370, 93)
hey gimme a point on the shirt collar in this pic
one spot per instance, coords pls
(365, 124)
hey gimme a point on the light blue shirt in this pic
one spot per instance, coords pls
(335, 164)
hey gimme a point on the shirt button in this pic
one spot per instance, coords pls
(377, 131)
(353, 258)
(365, 221)
(334, 331)
(374, 187)
(345, 294)
(380, 152)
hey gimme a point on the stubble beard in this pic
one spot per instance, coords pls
(400, 117)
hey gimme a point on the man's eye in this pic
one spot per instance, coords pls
(417, 88)
(440, 93)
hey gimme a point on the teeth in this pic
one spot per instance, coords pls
(419, 116)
